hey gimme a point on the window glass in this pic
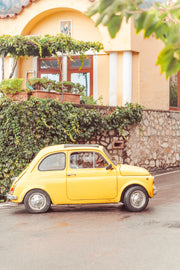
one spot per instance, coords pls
(50, 76)
(80, 160)
(50, 68)
(53, 162)
(77, 63)
(109, 156)
(82, 74)
(100, 161)
(83, 78)
(174, 91)
(49, 64)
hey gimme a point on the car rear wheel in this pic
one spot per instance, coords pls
(37, 201)
(136, 199)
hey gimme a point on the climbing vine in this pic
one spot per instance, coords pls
(26, 127)
(44, 46)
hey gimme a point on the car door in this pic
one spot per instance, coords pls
(50, 175)
(87, 179)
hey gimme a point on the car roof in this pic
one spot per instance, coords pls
(59, 147)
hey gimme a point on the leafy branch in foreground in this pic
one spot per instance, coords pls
(151, 17)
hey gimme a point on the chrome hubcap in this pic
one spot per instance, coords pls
(37, 201)
(138, 199)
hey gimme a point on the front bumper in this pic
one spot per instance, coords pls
(154, 190)
(11, 197)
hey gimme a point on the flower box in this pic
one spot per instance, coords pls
(67, 97)
(19, 96)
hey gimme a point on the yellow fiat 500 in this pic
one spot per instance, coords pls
(80, 174)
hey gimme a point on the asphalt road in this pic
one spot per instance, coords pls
(105, 237)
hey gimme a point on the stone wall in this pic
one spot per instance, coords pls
(154, 144)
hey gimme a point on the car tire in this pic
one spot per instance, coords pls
(136, 199)
(37, 201)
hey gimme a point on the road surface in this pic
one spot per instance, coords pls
(104, 237)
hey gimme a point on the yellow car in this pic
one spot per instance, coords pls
(80, 174)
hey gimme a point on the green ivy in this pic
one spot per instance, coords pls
(11, 86)
(44, 46)
(26, 127)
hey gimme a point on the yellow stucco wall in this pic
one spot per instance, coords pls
(153, 86)
(150, 88)
(25, 66)
(103, 78)
(135, 79)
(50, 24)
(120, 71)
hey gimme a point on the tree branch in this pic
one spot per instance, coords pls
(13, 68)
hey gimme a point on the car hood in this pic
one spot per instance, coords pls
(127, 170)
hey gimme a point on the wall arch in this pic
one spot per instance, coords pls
(48, 22)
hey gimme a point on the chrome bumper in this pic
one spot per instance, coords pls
(154, 190)
(11, 197)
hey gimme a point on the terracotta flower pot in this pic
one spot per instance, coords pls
(19, 96)
(67, 97)
(44, 94)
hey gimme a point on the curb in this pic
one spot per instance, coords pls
(161, 171)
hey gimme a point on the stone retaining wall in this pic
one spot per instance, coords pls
(155, 144)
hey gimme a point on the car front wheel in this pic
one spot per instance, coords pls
(37, 201)
(136, 199)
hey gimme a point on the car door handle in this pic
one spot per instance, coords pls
(71, 174)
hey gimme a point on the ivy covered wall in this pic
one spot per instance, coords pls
(26, 127)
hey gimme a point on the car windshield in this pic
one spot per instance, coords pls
(109, 156)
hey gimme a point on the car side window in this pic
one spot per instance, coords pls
(53, 162)
(84, 160)
(100, 161)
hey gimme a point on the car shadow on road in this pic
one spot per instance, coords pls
(101, 208)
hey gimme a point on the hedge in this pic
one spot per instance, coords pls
(26, 127)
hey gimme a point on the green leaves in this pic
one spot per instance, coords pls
(111, 13)
(160, 20)
(104, 4)
(114, 25)
(44, 46)
(169, 59)
(49, 85)
(28, 126)
(139, 21)
(11, 86)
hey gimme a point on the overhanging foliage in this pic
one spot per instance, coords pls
(44, 46)
(152, 17)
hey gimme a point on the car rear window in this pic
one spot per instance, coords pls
(53, 162)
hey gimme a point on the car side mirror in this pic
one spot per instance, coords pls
(109, 167)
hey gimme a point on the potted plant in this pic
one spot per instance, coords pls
(12, 88)
(42, 88)
(61, 91)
